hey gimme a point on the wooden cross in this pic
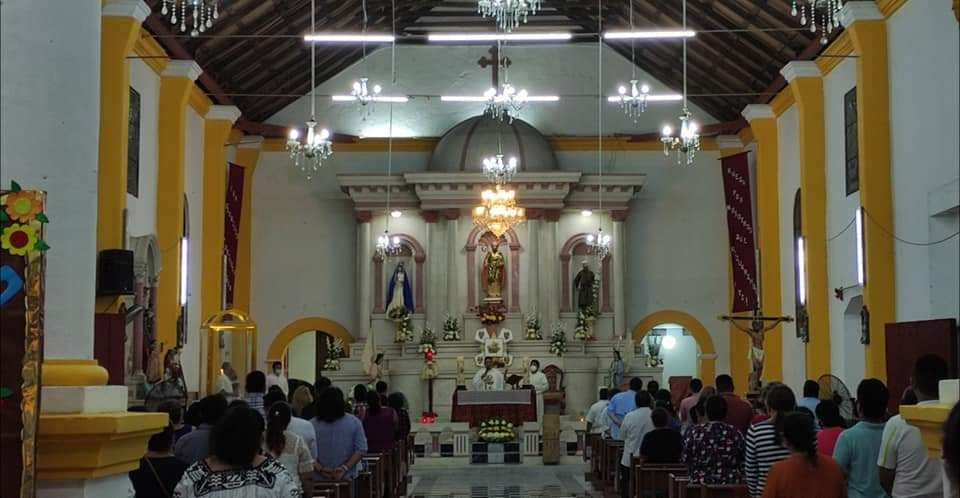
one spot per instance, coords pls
(495, 60)
(757, 325)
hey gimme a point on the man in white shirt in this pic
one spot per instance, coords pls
(636, 424)
(905, 467)
(488, 378)
(276, 378)
(224, 384)
(538, 380)
(597, 422)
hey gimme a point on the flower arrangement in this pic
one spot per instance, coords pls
(558, 340)
(404, 332)
(532, 324)
(397, 313)
(334, 353)
(428, 343)
(496, 430)
(491, 313)
(584, 328)
(451, 328)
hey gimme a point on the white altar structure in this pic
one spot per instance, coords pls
(442, 254)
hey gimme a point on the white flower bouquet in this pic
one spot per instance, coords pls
(451, 328)
(583, 330)
(397, 313)
(496, 430)
(404, 332)
(335, 351)
(558, 340)
(532, 325)
(428, 341)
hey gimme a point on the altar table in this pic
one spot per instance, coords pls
(517, 406)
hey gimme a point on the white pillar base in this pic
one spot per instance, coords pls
(114, 486)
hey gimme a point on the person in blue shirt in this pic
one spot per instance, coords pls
(622, 404)
(858, 447)
(811, 396)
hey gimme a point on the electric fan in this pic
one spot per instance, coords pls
(831, 387)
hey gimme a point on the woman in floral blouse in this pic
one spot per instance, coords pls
(714, 451)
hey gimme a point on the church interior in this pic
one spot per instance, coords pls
(496, 208)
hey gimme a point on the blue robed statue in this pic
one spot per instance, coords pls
(398, 290)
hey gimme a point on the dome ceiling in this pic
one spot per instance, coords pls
(465, 145)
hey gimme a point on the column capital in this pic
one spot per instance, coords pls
(430, 215)
(182, 69)
(451, 214)
(800, 69)
(363, 216)
(251, 142)
(223, 113)
(859, 11)
(729, 142)
(552, 214)
(618, 215)
(136, 9)
(753, 112)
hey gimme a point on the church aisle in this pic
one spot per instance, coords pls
(453, 478)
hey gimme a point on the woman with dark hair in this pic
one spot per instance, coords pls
(159, 470)
(763, 448)
(235, 467)
(951, 452)
(831, 425)
(662, 400)
(339, 435)
(713, 450)
(398, 402)
(380, 425)
(255, 388)
(805, 472)
(360, 401)
(288, 447)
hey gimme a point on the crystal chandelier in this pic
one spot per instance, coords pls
(387, 246)
(599, 243)
(828, 12)
(498, 171)
(506, 105)
(508, 13)
(633, 100)
(198, 15)
(688, 143)
(309, 155)
(498, 211)
(364, 94)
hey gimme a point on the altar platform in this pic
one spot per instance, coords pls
(473, 407)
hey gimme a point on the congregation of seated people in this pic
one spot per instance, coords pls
(266, 444)
(718, 444)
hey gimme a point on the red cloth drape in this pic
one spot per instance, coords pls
(741, 231)
(231, 227)
(475, 414)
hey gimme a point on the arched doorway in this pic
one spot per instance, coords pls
(706, 355)
(302, 346)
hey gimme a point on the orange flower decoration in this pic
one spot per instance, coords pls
(22, 206)
(18, 239)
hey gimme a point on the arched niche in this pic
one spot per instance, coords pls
(146, 258)
(279, 344)
(576, 246)
(707, 359)
(411, 248)
(480, 235)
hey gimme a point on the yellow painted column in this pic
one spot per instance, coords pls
(868, 31)
(175, 84)
(248, 153)
(763, 124)
(216, 133)
(120, 25)
(806, 83)
(739, 367)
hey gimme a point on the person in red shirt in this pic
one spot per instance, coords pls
(739, 412)
(805, 473)
(831, 424)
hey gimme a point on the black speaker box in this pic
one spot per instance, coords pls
(115, 273)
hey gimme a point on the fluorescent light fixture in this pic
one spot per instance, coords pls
(396, 213)
(488, 37)
(801, 270)
(861, 266)
(184, 261)
(649, 35)
(347, 38)
(481, 98)
(669, 342)
(380, 98)
(586, 213)
(667, 97)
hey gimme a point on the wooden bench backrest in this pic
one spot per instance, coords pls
(332, 489)
(653, 480)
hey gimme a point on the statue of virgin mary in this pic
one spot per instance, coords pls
(398, 290)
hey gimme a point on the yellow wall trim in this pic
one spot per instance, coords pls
(278, 347)
(88, 446)
(889, 7)
(150, 52)
(929, 419)
(706, 367)
(57, 372)
(199, 100)
(835, 53)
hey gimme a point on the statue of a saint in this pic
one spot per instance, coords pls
(492, 274)
(155, 362)
(616, 370)
(399, 292)
(583, 284)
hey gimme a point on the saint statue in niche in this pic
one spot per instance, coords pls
(492, 273)
(399, 292)
(583, 284)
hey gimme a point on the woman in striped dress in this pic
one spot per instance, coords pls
(763, 443)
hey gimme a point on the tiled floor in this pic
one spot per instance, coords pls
(454, 478)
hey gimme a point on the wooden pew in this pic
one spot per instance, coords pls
(613, 453)
(717, 491)
(594, 442)
(332, 489)
(678, 486)
(653, 480)
(375, 467)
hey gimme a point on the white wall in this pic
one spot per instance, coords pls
(302, 357)
(682, 359)
(193, 187)
(142, 209)
(924, 104)
(794, 351)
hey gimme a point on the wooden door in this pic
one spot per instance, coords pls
(907, 341)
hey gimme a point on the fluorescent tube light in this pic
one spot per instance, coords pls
(481, 98)
(347, 38)
(648, 35)
(184, 273)
(380, 98)
(667, 97)
(801, 270)
(488, 37)
(861, 265)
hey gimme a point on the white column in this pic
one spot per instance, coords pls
(48, 47)
(436, 270)
(455, 264)
(365, 270)
(618, 274)
(550, 276)
(533, 263)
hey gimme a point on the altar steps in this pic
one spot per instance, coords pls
(499, 453)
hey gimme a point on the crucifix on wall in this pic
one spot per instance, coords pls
(495, 61)
(755, 325)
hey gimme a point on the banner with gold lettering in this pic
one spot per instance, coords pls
(740, 230)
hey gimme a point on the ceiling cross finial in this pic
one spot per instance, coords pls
(492, 60)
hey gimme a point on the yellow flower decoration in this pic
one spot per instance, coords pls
(18, 239)
(23, 206)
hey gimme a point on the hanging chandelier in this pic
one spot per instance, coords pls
(508, 13)
(688, 142)
(363, 93)
(498, 211)
(197, 15)
(633, 100)
(599, 243)
(810, 11)
(505, 105)
(309, 154)
(499, 171)
(387, 246)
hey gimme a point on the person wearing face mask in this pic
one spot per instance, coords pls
(276, 378)
(538, 380)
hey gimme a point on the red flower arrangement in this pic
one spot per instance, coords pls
(428, 418)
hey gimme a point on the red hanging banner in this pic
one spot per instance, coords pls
(741, 231)
(231, 227)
